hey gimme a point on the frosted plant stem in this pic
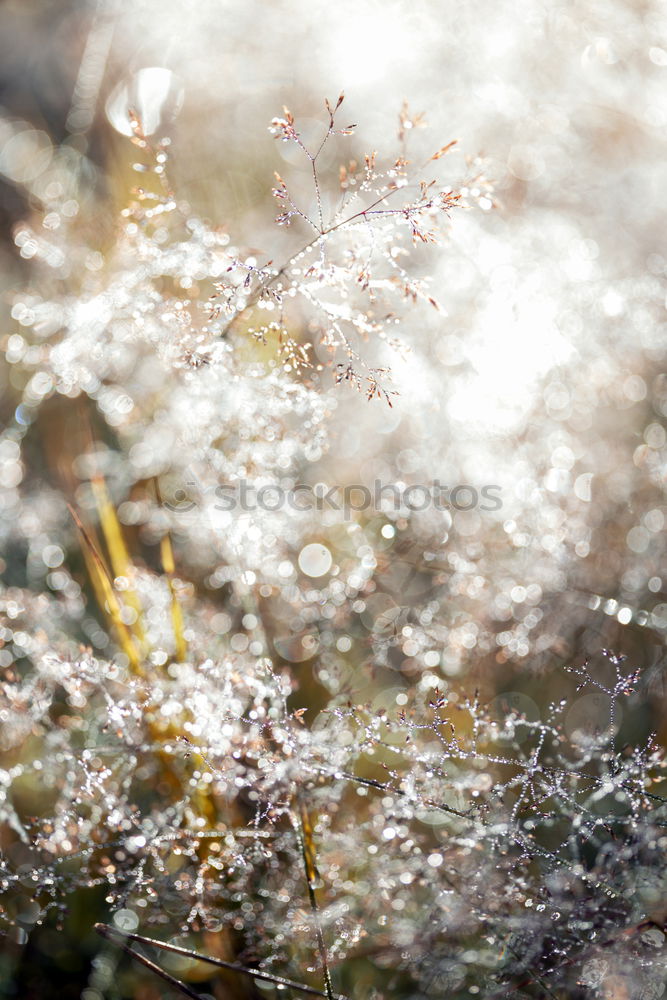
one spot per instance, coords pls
(304, 835)
(117, 938)
(266, 977)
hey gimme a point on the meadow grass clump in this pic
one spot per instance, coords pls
(213, 733)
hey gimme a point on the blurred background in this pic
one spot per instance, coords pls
(545, 374)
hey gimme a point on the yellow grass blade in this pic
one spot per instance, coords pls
(169, 567)
(103, 586)
(121, 563)
(308, 847)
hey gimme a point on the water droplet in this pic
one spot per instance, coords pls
(153, 94)
(315, 560)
